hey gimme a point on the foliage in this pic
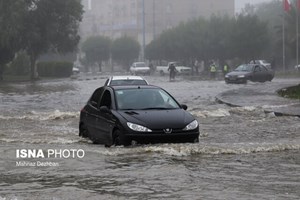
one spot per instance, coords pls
(290, 92)
(96, 49)
(55, 69)
(38, 26)
(217, 38)
(125, 50)
(251, 37)
(20, 65)
(12, 15)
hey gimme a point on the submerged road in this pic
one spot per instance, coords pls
(244, 153)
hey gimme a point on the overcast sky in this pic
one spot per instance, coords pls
(239, 4)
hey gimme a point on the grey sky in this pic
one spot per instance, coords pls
(239, 4)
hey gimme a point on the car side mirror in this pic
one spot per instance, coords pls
(184, 107)
(104, 109)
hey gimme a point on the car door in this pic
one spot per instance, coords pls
(265, 74)
(104, 118)
(92, 111)
(256, 73)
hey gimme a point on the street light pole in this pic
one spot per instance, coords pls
(144, 36)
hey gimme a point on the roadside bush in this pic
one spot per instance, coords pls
(58, 69)
(19, 66)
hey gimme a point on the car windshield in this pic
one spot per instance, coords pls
(140, 65)
(244, 68)
(144, 99)
(128, 82)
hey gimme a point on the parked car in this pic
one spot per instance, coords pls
(249, 72)
(261, 62)
(126, 80)
(297, 68)
(139, 68)
(75, 71)
(118, 115)
(180, 69)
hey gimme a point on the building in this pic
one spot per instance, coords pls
(145, 19)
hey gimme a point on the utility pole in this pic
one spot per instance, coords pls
(154, 20)
(144, 36)
(297, 33)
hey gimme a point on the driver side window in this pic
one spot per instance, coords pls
(96, 97)
(257, 68)
(106, 99)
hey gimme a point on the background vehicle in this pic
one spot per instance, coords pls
(181, 70)
(249, 72)
(75, 70)
(126, 80)
(117, 115)
(139, 68)
(261, 62)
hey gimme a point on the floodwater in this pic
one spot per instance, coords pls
(243, 153)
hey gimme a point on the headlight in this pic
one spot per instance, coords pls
(191, 126)
(226, 76)
(138, 128)
(241, 76)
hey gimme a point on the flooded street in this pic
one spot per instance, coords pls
(244, 153)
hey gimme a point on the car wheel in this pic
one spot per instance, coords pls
(83, 131)
(162, 73)
(270, 78)
(120, 139)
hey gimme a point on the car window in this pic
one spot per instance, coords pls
(257, 68)
(140, 65)
(244, 68)
(96, 97)
(263, 68)
(106, 99)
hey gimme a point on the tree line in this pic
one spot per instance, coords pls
(36, 27)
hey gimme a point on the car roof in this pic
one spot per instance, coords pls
(134, 87)
(126, 78)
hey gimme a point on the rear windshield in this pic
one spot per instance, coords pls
(128, 82)
(140, 65)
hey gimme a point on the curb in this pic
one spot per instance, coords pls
(220, 99)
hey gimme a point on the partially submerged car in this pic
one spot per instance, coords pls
(118, 115)
(126, 80)
(249, 72)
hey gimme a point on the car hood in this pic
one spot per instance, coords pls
(159, 119)
(237, 73)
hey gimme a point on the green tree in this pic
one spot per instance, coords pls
(272, 14)
(97, 50)
(125, 50)
(250, 37)
(6, 55)
(11, 23)
(51, 25)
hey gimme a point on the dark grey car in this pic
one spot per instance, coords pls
(249, 72)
